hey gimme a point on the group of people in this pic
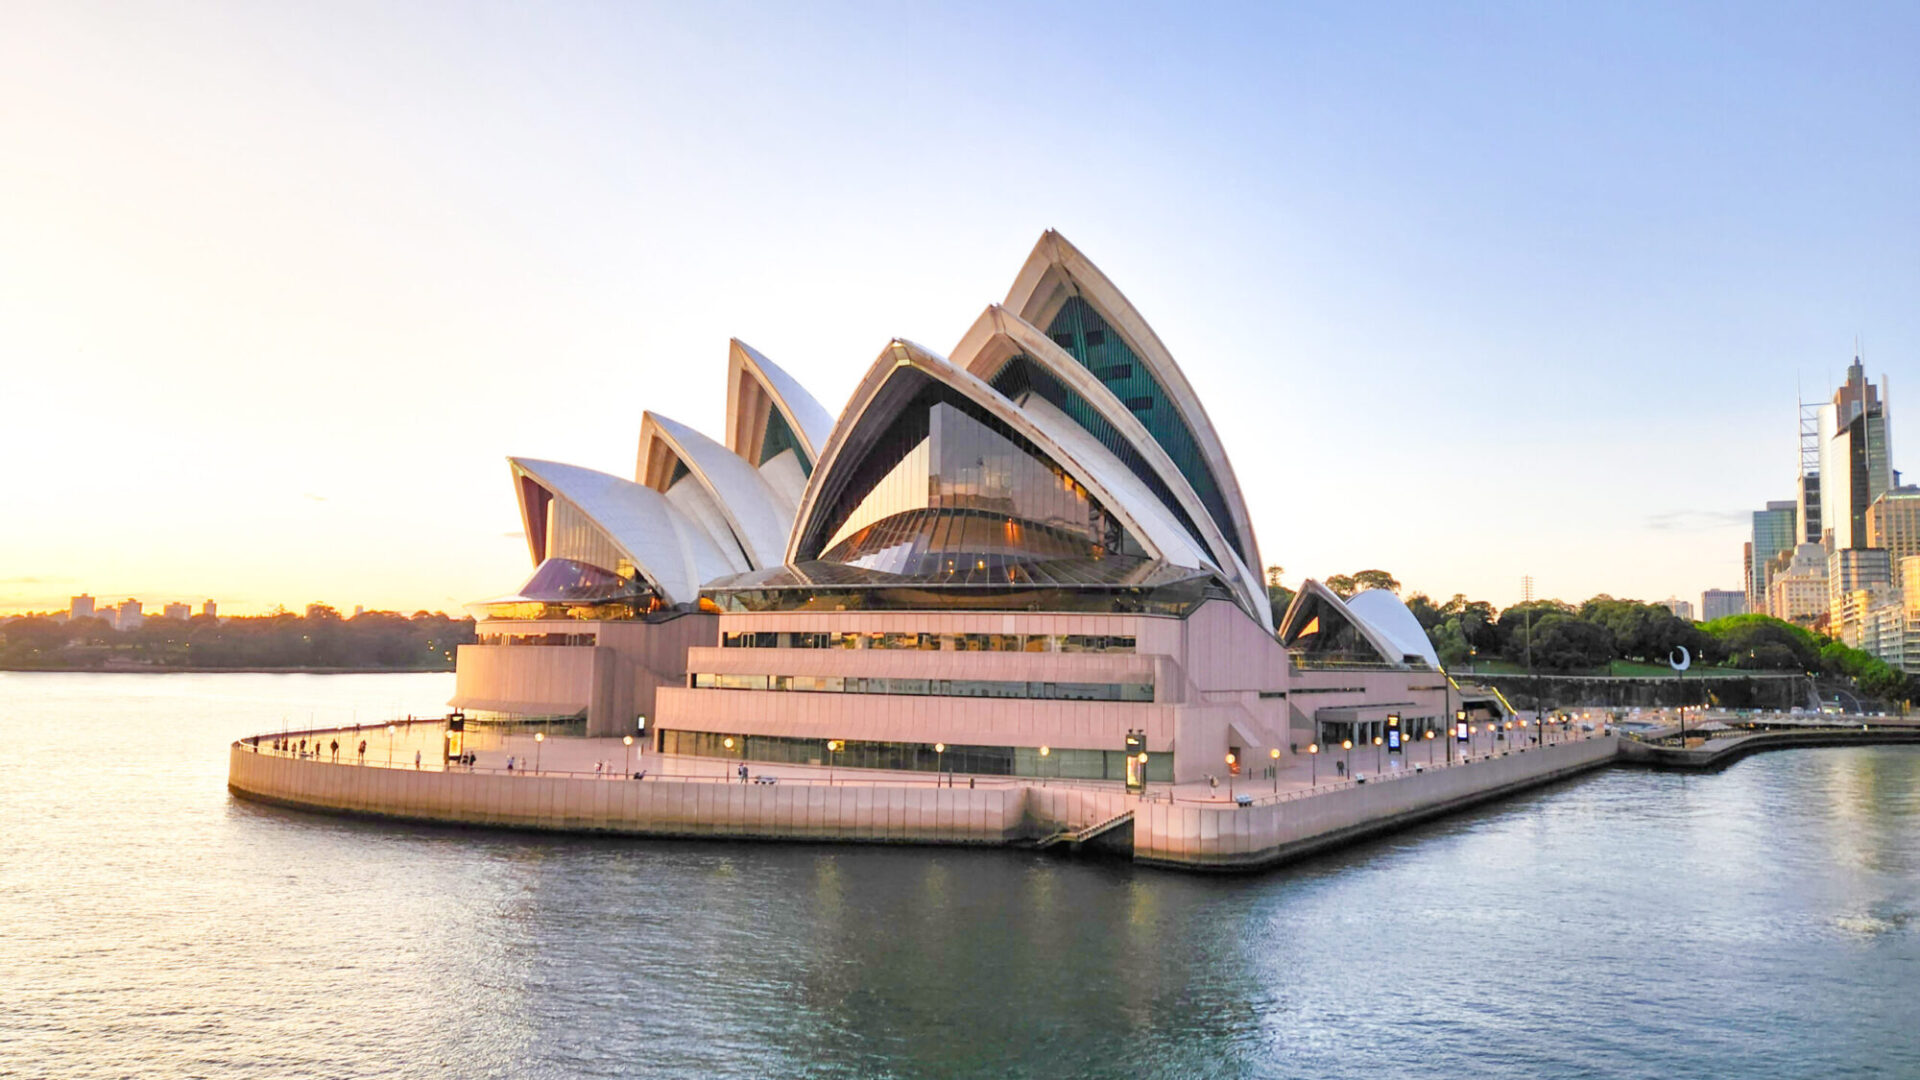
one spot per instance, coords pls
(286, 745)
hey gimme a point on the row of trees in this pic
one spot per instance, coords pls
(1560, 637)
(372, 640)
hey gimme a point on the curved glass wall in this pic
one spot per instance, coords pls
(1082, 332)
(1020, 376)
(571, 589)
(948, 488)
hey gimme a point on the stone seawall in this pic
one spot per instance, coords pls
(1266, 835)
(1718, 753)
(663, 807)
(1211, 836)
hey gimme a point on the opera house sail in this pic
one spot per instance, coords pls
(1028, 558)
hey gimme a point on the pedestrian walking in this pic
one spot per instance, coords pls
(335, 747)
(509, 762)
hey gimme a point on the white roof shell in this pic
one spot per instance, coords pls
(1296, 620)
(1091, 465)
(673, 554)
(1389, 617)
(1057, 270)
(743, 510)
(752, 377)
(998, 335)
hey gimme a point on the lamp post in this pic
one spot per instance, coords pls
(1429, 748)
(1143, 778)
(627, 740)
(1346, 757)
(1275, 755)
(939, 762)
(1045, 751)
(1377, 766)
(1230, 760)
(1313, 756)
(833, 747)
(389, 746)
(539, 740)
(1459, 729)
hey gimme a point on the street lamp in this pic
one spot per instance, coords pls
(1274, 753)
(1377, 767)
(939, 762)
(628, 741)
(1044, 752)
(1346, 756)
(1230, 760)
(1429, 748)
(1313, 757)
(539, 738)
(833, 747)
(1459, 728)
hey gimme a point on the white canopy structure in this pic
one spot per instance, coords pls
(922, 438)
(772, 422)
(1030, 368)
(617, 525)
(1060, 290)
(1388, 616)
(715, 487)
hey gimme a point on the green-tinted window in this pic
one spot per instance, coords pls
(780, 437)
(1081, 331)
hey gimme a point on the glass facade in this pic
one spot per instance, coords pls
(570, 589)
(1036, 643)
(1020, 377)
(543, 638)
(1081, 331)
(573, 536)
(972, 688)
(779, 438)
(1175, 600)
(917, 757)
(948, 488)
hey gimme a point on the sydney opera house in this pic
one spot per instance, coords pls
(1028, 557)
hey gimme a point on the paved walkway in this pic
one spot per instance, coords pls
(609, 758)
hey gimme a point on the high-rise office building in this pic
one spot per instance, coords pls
(210, 609)
(1720, 603)
(1774, 533)
(1893, 522)
(80, 607)
(177, 610)
(130, 615)
(1855, 458)
(1681, 608)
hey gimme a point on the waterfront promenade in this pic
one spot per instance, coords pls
(587, 785)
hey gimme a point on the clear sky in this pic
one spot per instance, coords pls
(1469, 291)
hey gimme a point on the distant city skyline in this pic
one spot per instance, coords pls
(1468, 295)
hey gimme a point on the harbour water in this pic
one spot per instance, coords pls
(1755, 922)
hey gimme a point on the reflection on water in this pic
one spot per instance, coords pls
(1757, 922)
